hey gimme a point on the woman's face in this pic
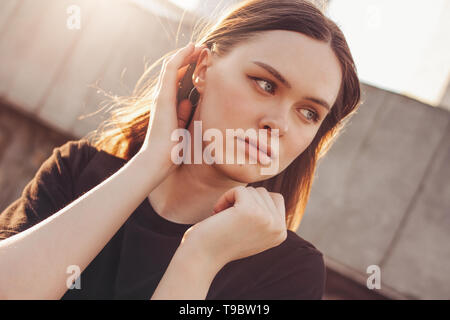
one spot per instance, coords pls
(239, 91)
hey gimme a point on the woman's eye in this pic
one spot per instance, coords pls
(311, 115)
(270, 87)
(265, 85)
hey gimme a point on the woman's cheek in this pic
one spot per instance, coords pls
(244, 110)
(233, 107)
(298, 145)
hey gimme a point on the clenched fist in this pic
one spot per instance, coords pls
(246, 221)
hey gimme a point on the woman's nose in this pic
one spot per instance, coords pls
(272, 122)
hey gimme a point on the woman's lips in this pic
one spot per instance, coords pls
(262, 156)
(257, 144)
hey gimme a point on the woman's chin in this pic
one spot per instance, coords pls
(244, 173)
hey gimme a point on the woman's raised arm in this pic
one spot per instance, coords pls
(33, 263)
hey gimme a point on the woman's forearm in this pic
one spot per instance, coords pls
(33, 263)
(189, 275)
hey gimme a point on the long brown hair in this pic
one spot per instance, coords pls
(123, 133)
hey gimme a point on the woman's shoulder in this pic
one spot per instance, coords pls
(50, 189)
(294, 254)
(79, 151)
(295, 269)
(296, 251)
(83, 154)
(88, 165)
(292, 250)
(295, 241)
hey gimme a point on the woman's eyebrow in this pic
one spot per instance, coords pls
(286, 83)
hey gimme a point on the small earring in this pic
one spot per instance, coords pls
(194, 96)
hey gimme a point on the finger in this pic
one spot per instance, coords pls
(267, 199)
(190, 59)
(181, 68)
(181, 72)
(168, 79)
(229, 199)
(278, 200)
(195, 54)
(184, 65)
(184, 111)
(257, 197)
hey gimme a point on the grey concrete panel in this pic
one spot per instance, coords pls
(16, 40)
(86, 64)
(44, 58)
(356, 224)
(419, 262)
(347, 146)
(334, 167)
(143, 42)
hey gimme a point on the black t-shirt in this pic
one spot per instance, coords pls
(133, 262)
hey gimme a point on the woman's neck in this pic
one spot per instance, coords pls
(189, 193)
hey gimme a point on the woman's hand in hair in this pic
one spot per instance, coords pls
(246, 221)
(165, 115)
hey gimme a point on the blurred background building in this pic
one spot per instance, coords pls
(381, 195)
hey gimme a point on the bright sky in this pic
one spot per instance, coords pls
(188, 4)
(402, 45)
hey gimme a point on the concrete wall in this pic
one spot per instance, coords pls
(380, 197)
(58, 66)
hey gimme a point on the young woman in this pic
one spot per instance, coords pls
(138, 225)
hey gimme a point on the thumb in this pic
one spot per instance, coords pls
(228, 199)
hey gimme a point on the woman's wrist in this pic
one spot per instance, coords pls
(153, 164)
(194, 250)
(188, 276)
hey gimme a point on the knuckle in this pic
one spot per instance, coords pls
(250, 188)
(261, 189)
(277, 195)
(279, 234)
(282, 236)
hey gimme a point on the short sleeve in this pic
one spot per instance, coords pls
(51, 189)
(301, 276)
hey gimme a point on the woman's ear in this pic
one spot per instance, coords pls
(204, 61)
